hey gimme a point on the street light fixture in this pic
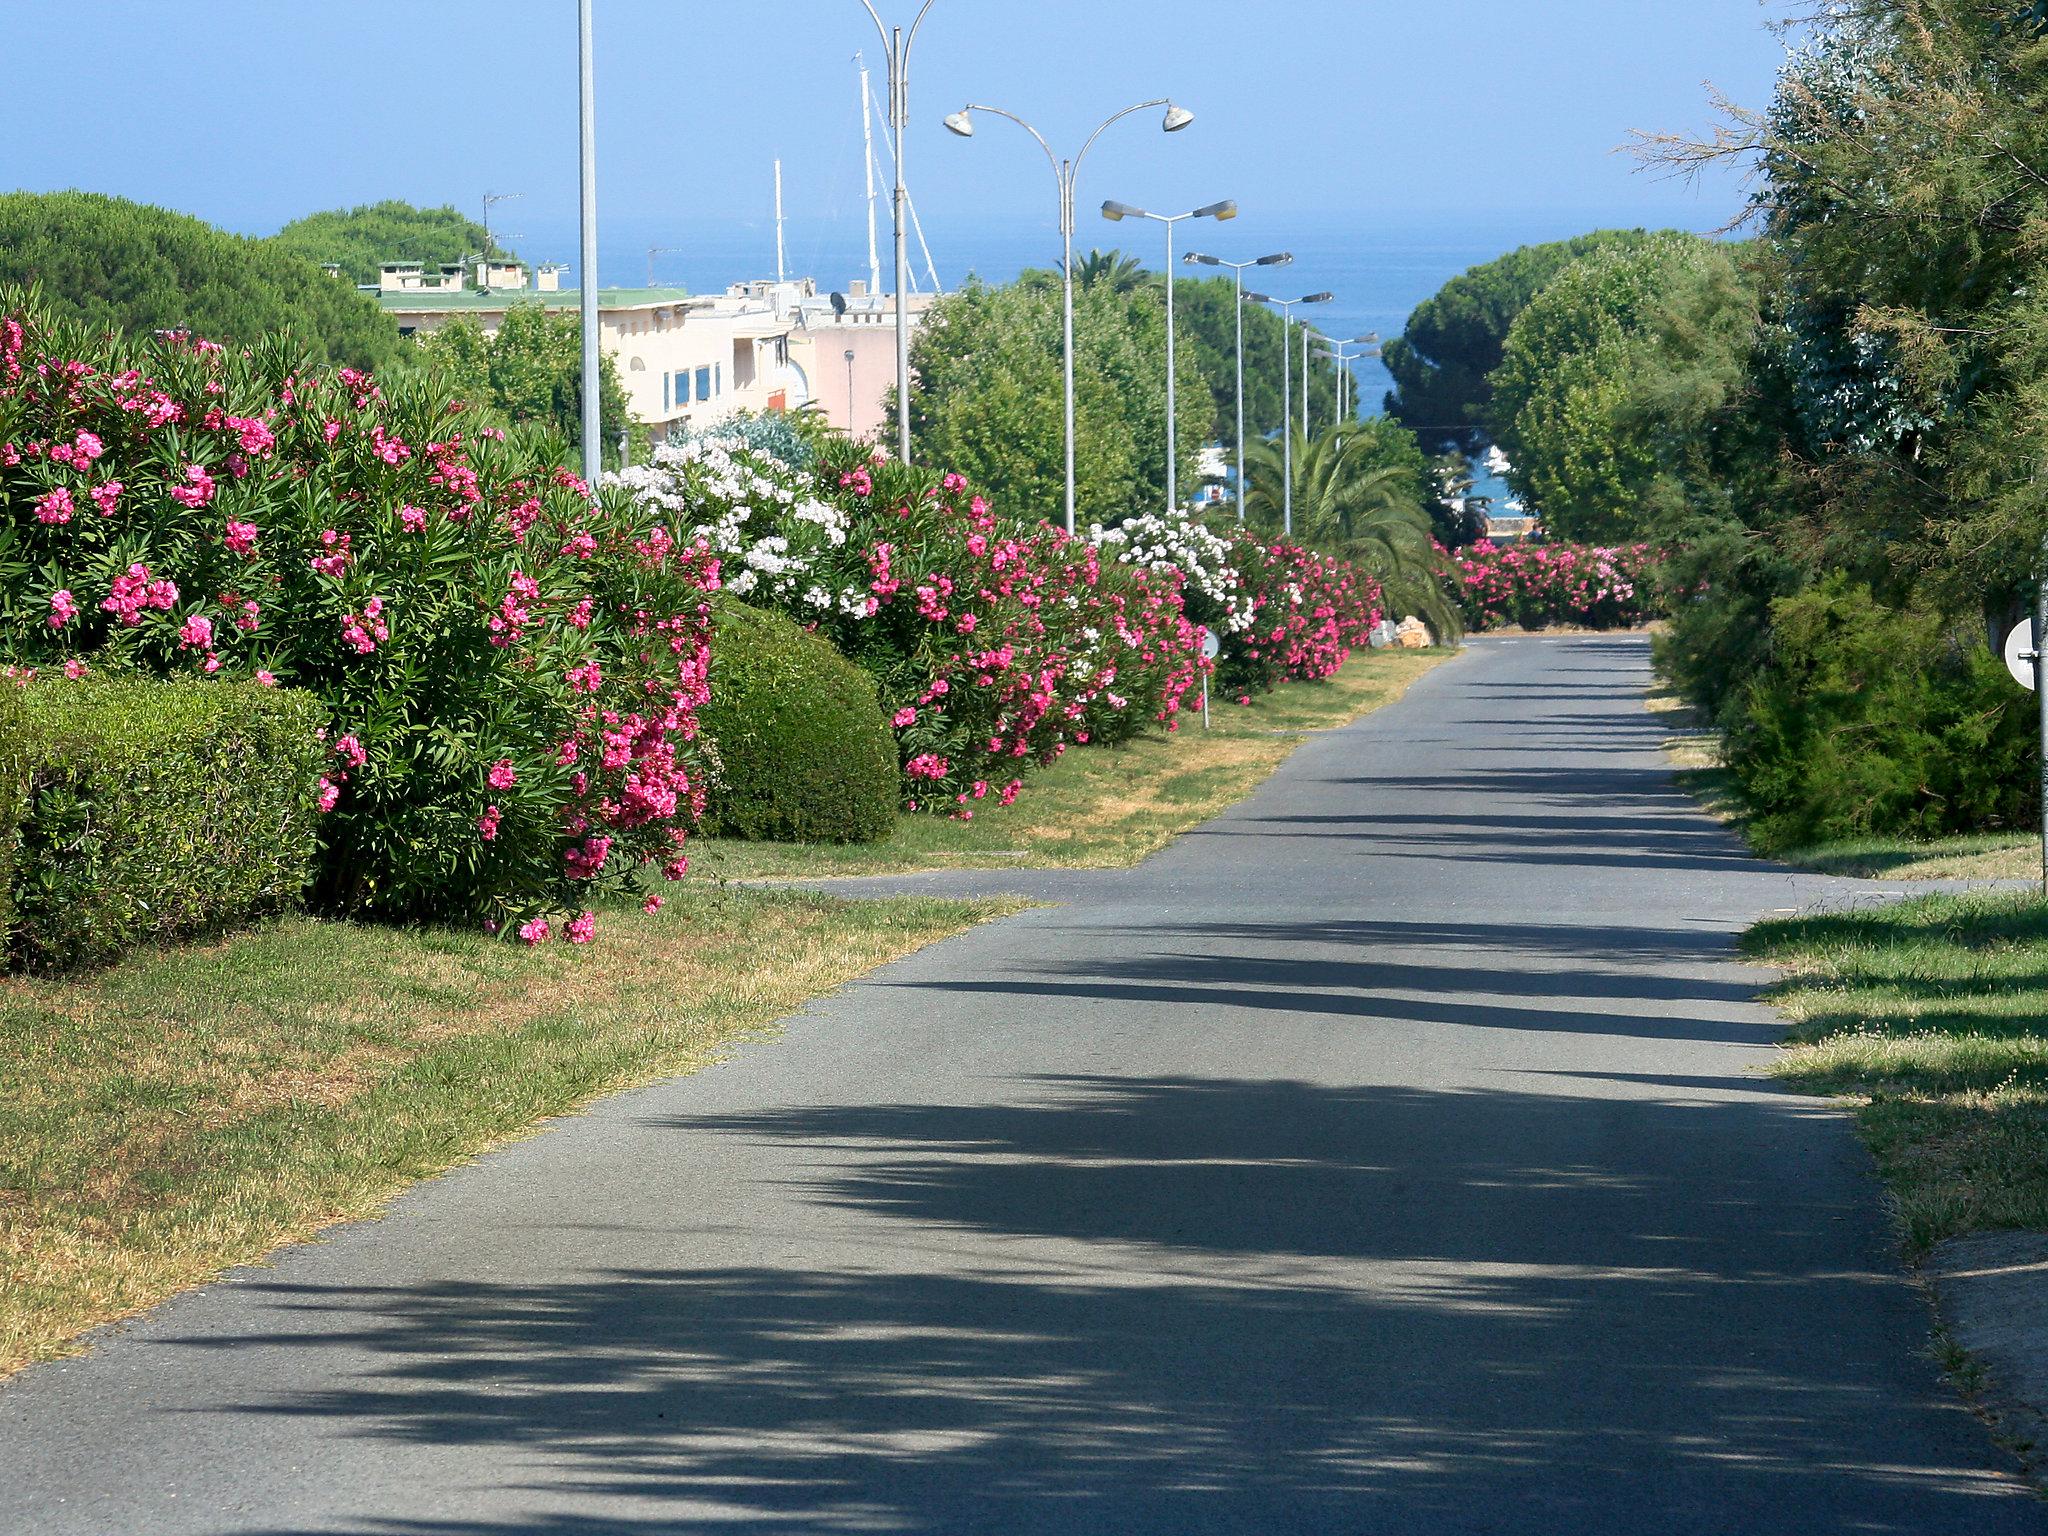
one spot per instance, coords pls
(1286, 308)
(1237, 270)
(896, 44)
(1065, 172)
(1221, 212)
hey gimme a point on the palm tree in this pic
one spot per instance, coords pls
(1121, 274)
(1350, 501)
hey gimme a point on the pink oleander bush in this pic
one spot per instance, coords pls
(1309, 612)
(1538, 585)
(510, 672)
(997, 644)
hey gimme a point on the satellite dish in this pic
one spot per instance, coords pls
(2019, 653)
(1211, 646)
(838, 303)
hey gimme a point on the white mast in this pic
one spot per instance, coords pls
(867, 137)
(780, 271)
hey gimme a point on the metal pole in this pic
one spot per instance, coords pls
(587, 130)
(2041, 698)
(1238, 274)
(1172, 501)
(1287, 421)
(899, 106)
(1304, 385)
(1066, 170)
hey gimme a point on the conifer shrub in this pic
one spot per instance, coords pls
(803, 752)
(1870, 720)
(153, 810)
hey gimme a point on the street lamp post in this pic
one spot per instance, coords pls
(1065, 172)
(1286, 308)
(1237, 270)
(587, 220)
(896, 44)
(1115, 212)
(1333, 349)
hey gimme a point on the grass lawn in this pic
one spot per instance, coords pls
(194, 1108)
(1931, 1017)
(1104, 807)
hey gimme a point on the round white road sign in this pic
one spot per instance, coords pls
(1212, 647)
(2019, 652)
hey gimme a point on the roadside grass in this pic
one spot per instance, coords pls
(1104, 807)
(1694, 750)
(1928, 1017)
(195, 1108)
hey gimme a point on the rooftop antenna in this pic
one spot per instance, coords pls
(490, 246)
(781, 272)
(867, 138)
(654, 251)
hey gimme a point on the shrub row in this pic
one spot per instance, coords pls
(133, 811)
(1866, 719)
(509, 669)
(1535, 586)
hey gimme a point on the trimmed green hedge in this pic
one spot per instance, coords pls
(158, 810)
(803, 751)
(13, 787)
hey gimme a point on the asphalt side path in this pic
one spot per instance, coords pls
(1385, 1156)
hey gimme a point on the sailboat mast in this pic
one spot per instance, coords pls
(781, 269)
(867, 138)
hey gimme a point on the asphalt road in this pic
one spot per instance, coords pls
(1386, 1156)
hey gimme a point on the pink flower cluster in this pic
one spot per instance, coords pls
(1536, 586)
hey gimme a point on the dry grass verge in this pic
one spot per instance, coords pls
(195, 1108)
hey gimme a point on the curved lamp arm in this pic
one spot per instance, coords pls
(1127, 111)
(1052, 159)
(876, 17)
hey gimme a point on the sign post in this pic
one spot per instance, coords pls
(1211, 649)
(2027, 659)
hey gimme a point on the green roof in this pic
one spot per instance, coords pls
(561, 298)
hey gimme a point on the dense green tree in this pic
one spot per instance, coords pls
(362, 239)
(987, 398)
(136, 269)
(1589, 400)
(1204, 324)
(1453, 341)
(529, 371)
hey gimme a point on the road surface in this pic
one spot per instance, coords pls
(1386, 1156)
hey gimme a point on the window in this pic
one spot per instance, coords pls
(682, 390)
(703, 383)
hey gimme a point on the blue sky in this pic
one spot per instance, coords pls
(247, 112)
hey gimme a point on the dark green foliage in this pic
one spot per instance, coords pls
(159, 810)
(13, 789)
(1453, 341)
(804, 753)
(1871, 719)
(135, 269)
(1203, 325)
(530, 371)
(362, 239)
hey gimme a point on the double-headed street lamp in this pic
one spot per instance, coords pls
(1064, 171)
(1116, 212)
(896, 45)
(1237, 269)
(1334, 350)
(1286, 308)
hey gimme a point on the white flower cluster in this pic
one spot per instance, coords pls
(1179, 543)
(773, 539)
